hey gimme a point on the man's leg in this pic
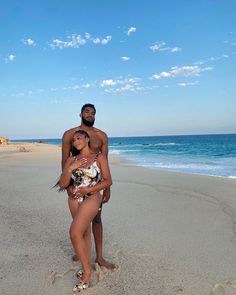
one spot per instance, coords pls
(98, 237)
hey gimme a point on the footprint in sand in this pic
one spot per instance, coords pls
(220, 288)
(178, 290)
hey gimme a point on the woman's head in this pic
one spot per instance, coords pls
(80, 140)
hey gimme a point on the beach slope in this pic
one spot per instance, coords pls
(169, 233)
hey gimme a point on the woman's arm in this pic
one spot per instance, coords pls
(70, 164)
(106, 177)
(65, 178)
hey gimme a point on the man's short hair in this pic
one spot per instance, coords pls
(88, 105)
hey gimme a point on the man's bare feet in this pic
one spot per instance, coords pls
(107, 265)
(75, 258)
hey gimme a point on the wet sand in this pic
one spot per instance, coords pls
(169, 233)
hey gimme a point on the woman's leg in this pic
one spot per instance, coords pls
(73, 206)
(80, 232)
(87, 237)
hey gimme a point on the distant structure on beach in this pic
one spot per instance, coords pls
(4, 140)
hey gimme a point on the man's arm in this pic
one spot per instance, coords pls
(66, 148)
(104, 148)
(104, 151)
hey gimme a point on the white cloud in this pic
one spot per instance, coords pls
(157, 46)
(106, 40)
(188, 84)
(131, 30)
(29, 42)
(109, 82)
(185, 71)
(87, 85)
(155, 77)
(75, 87)
(75, 41)
(175, 49)
(125, 58)
(127, 88)
(96, 41)
(103, 41)
(127, 85)
(165, 74)
(11, 57)
(87, 36)
(161, 46)
(199, 62)
(217, 58)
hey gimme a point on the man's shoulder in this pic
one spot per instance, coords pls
(70, 132)
(99, 132)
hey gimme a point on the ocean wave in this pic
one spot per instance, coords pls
(165, 144)
(145, 144)
(114, 152)
(185, 166)
(117, 152)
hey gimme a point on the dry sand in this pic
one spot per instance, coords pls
(170, 233)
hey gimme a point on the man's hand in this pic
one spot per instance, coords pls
(106, 195)
(70, 192)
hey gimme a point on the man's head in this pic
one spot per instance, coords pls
(87, 115)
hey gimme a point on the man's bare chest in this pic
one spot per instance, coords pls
(95, 143)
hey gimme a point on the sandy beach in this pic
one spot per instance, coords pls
(169, 233)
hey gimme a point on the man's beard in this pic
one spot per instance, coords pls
(87, 123)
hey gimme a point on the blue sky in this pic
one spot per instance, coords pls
(150, 67)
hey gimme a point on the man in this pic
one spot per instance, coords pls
(98, 143)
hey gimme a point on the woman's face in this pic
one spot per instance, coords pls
(79, 141)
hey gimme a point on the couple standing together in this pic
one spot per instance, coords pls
(85, 173)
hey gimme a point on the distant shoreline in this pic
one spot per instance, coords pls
(26, 146)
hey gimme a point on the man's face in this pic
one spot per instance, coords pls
(88, 116)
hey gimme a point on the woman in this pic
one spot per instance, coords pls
(87, 183)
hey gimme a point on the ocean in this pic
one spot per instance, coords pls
(213, 155)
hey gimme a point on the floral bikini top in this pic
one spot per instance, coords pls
(88, 176)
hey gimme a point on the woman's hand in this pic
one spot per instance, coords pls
(78, 163)
(80, 191)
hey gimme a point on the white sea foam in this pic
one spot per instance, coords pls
(145, 144)
(117, 152)
(114, 152)
(166, 144)
(185, 166)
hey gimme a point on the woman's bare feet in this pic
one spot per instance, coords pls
(86, 276)
(106, 264)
